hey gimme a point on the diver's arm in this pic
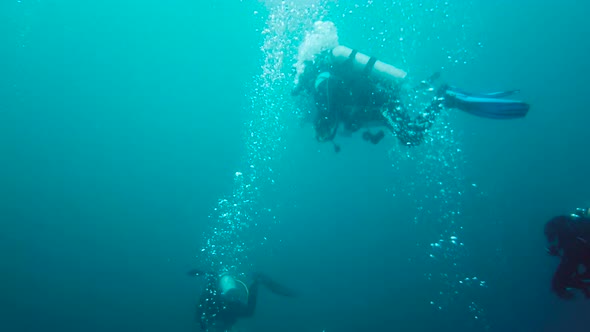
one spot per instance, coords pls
(326, 126)
(327, 120)
(301, 84)
(306, 80)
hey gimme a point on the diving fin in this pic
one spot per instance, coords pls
(498, 94)
(487, 105)
(274, 286)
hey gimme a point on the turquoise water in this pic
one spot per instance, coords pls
(141, 139)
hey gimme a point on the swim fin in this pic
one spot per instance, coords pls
(274, 286)
(486, 105)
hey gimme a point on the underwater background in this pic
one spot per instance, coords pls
(140, 139)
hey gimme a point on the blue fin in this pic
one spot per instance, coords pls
(498, 94)
(486, 105)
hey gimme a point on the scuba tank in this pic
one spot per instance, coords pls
(368, 65)
(233, 289)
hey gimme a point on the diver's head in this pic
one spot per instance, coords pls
(556, 227)
(323, 36)
(232, 289)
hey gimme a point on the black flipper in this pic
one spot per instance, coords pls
(274, 286)
(487, 105)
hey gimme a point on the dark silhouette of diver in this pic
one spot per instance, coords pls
(226, 299)
(569, 238)
(357, 91)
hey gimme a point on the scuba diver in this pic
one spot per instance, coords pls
(356, 91)
(569, 238)
(226, 299)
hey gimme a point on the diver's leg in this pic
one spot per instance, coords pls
(411, 131)
(428, 117)
(564, 278)
(491, 105)
(400, 124)
(584, 277)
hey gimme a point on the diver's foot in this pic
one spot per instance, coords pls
(336, 148)
(378, 137)
(373, 138)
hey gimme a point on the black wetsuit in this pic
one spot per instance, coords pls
(572, 235)
(356, 100)
(218, 314)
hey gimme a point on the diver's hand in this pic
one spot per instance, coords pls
(565, 294)
(552, 251)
